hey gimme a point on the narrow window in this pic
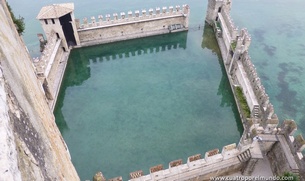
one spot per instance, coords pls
(219, 9)
(57, 35)
(63, 48)
(53, 21)
(216, 18)
(46, 21)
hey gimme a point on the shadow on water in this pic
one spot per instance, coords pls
(209, 41)
(78, 70)
(135, 47)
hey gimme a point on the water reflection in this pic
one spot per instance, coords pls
(78, 69)
(209, 41)
(131, 48)
(166, 85)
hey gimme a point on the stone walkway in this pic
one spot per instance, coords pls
(57, 79)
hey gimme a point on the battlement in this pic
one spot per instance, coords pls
(130, 25)
(130, 17)
(214, 163)
(283, 149)
(49, 65)
(44, 63)
(226, 18)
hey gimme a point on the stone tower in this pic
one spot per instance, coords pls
(58, 20)
(215, 7)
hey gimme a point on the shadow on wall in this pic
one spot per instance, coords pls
(209, 41)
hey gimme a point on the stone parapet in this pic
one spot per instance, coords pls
(42, 64)
(135, 24)
(214, 164)
(152, 14)
(233, 30)
(279, 143)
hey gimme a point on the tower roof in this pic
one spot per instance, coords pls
(55, 10)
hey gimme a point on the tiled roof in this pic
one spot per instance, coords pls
(55, 10)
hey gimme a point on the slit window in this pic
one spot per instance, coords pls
(53, 21)
(219, 9)
(57, 35)
(46, 21)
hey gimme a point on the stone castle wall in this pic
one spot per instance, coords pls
(37, 150)
(129, 26)
(230, 160)
(283, 149)
(48, 65)
(229, 30)
(43, 64)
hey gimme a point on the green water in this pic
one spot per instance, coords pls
(135, 104)
(278, 33)
(277, 28)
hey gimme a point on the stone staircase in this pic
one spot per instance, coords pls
(244, 156)
(248, 169)
(256, 111)
(249, 162)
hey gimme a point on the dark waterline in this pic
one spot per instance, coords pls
(135, 104)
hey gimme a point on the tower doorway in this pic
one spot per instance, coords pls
(67, 28)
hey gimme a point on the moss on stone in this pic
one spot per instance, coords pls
(233, 45)
(242, 102)
(291, 124)
(290, 176)
(300, 139)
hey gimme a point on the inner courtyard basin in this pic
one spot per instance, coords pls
(131, 105)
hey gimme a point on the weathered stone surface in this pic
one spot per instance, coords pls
(99, 177)
(136, 174)
(40, 153)
(175, 163)
(156, 168)
(194, 158)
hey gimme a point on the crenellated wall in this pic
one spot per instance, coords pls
(229, 31)
(234, 47)
(214, 163)
(44, 62)
(283, 150)
(49, 67)
(128, 25)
